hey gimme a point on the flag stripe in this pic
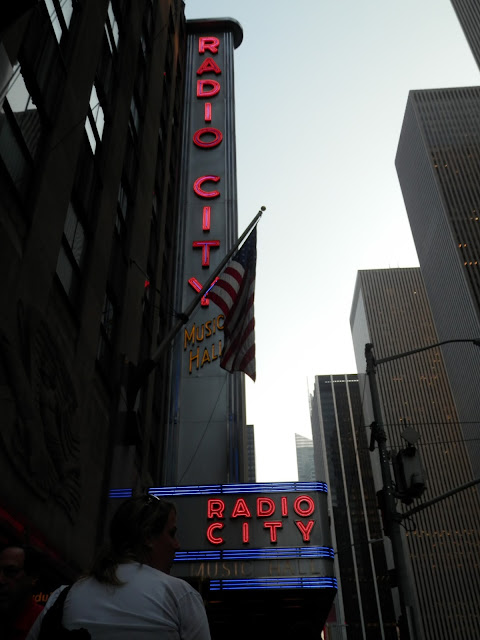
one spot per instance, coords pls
(240, 306)
(248, 362)
(242, 330)
(225, 292)
(247, 341)
(237, 328)
(236, 348)
(226, 289)
(236, 271)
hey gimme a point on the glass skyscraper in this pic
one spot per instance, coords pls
(305, 462)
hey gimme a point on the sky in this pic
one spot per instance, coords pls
(320, 92)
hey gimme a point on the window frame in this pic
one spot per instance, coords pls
(91, 119)
(76, 266)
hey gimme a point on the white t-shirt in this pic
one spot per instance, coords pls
(151, 604)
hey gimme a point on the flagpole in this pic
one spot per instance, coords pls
(144, 369)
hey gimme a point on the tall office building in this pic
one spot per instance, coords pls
(468, 13)
(438, 167)
(113, 215)
(391, 310)
(363, 607)
(305, 463)
(90, 142)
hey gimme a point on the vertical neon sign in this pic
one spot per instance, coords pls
(207, 229)
(206, 138)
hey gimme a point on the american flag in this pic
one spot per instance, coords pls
(234, 292)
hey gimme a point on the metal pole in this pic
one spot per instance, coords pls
(391, 515)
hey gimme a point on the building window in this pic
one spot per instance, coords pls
(20, 129)
(134, 118)
(40, 57)
(60, 14)
(111, 28)
(24, 109)
(86, 181)
(122, 209)
(95, 121)
(147, 30)
(143, 45)
(71, 258)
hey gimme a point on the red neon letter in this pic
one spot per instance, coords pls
(245, 532)
(206, 218)
(217, 138)
(208, 44)
(207, 93)
(241, 509)
(205, 245)
(304, 512)
(265, 512)
(210, 530)
(284, 506)
(215, 508)
(305, 530)
(273, 526)
(197, 187)
(208, 64)
(208, 111)
(193, 282)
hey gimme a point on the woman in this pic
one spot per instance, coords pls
(129, 593)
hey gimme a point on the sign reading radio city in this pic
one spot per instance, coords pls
(207, 413)
(253, 535)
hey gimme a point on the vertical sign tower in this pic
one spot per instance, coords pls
(207, 409)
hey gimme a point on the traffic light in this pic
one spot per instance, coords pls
(382, 507)
(409, 474)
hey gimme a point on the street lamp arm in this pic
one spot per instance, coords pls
(423, 506)
(475, 341)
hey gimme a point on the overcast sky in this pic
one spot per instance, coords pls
(320, 89)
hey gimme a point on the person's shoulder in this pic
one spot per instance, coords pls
(53, 596)
(172, 581)
(135, 573)
(179, 585)
(180, 582)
